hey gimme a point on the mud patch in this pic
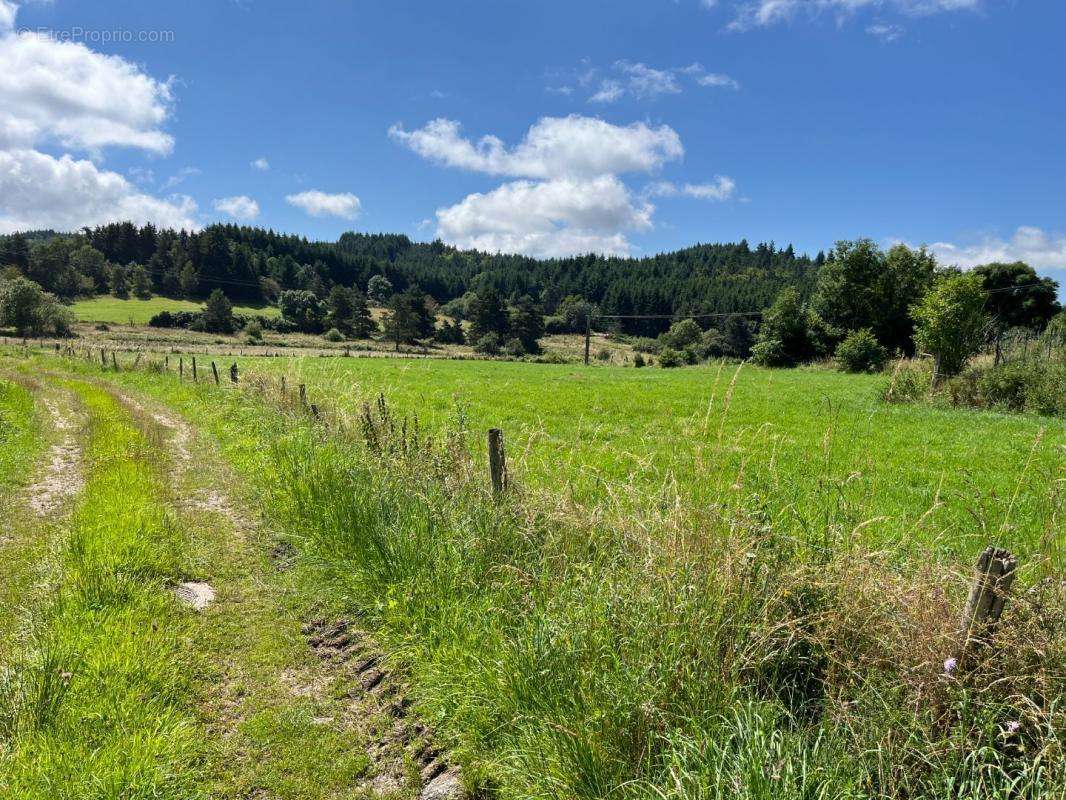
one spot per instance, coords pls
(62, 477)
(406, 745)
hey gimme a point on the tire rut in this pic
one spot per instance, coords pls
(62, 476)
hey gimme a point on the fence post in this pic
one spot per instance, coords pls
(497, 461)
(166, 363)
(114, 361)
(103, 358)
(303, 395)
(194, 378)
(233, 373)
(992, 580)
(214, 371)
(181, 369)
(283, 387)
(588, 337)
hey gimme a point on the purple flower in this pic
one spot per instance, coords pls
(1013, 725)
(949, 665)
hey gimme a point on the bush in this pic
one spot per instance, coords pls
(1033, 386)
(638, 360)
(31, 311)
(861, 352)
(253, 331)
(911, 381)
(555, 325)
(603, 354)
(333, 335)
(644, 344)
(489, 344)
(514, 348)
(771, 353)
(670, 358)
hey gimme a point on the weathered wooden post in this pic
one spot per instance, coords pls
(166, 363)
(314, 411)
(214, 371)
(233, 375)
(283, 386)
(588, 337)
(181, 369)
(194, 377)
(114, 361)
(497, 461)
(137, 361)
(988, 594)
(303, 395)
(103, 358)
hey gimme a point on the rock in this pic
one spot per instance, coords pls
(197, 596)
(445, 786)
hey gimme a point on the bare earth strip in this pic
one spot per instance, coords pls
(62, 476)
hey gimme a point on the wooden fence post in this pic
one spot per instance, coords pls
(181, 369)
(988, 594)
(103, 358)
(114, 361)
(283, 386)
(233, 375)
(588, 337)
(214, 371)
(194, 377)
(166, 363)
(303, 395)
(497, 461)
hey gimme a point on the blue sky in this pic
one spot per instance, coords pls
(624, 126)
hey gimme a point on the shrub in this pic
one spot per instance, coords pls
(1034, 386)
(771, 353)
(603, 354)
(31, 311)
(670, 358)
(514, 348)
(644, 344)
(489, 344)
(254, 330)
(638, 360)
(555, 325)
(333, 335)
(911, 381)
(861, 352)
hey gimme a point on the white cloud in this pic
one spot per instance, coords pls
(884, 32)
(760, 13)
(645, 81)
(718, 79)
(723, 188)
(321, 204)
(61, 93)
(261, 164)
(40, 191)
(7, 15)
(571, 200)
(547, 218)
(1035, 246)
(180, 177)
(240, 207)
(609, 92)
(553, 147)
(55, 91)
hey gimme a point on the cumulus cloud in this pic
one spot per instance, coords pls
(261, 164)
(40, 191)
(240, 207)
(553, 147)
(548, 218)
(1035, 246)
(760, 13)
(722, 188)
(59, 93)
(570, 198)
(321, 204)
(63, 92)
(718, 79)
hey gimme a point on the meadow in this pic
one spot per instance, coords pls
(133, 311)
(713, 582)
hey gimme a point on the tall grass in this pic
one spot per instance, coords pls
(93, 692)
(694, 652)
(18, 434)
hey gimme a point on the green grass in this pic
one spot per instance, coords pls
(816, 442)
(106, 308)
(19, 434)
(677, 602)
(95, 695)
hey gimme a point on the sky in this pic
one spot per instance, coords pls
(548, 128)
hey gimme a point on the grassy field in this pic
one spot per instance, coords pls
(703, 583)
(811, 443)
(108, 309)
